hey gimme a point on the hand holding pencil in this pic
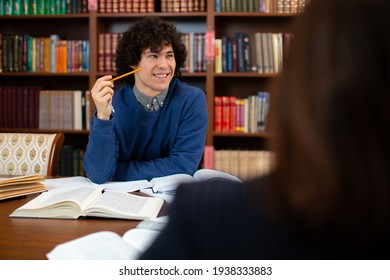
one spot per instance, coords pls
(102, 93)
(120, 77)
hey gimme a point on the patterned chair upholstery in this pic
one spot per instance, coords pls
(30, 153)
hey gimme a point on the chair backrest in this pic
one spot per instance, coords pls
(30, 153)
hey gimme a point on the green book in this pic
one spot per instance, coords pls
(26, 7)
(8, 7)
(2, 7)
(34, 7)
(29, 53)
(41, 7)
(17, 7)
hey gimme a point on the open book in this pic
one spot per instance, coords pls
(21, 185)
(107, 245)
(80, 181)
(90, 201)
(165, 187)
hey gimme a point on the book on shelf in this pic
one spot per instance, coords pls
(232, 114)
(208, 157)
(218, 55)
(90, 201)
(108, 245)
(165, 187)
(267, 6)
(20, 186)
(245, 164)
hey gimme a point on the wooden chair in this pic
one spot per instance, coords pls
(30, 153)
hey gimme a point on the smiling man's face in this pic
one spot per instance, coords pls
(157, 71)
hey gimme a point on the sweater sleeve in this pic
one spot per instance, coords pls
(100, 166)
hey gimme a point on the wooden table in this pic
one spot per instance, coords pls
(31, 239)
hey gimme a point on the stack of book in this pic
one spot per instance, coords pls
(21, 185)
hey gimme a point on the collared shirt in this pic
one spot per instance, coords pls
(148, 102)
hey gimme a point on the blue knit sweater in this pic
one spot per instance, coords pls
(137, 144)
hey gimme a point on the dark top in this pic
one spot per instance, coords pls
(223, 220)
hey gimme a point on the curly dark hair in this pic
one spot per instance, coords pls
(153, 33)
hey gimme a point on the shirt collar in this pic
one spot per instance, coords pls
(148, 102)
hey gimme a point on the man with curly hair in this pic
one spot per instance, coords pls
(159, 124)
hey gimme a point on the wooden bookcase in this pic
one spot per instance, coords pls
(240, 84)
(88, 26)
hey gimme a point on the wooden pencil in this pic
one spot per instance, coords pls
(126, 74)
(120, 77)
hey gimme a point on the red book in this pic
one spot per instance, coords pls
(136, 6)
(233, 112)
(129, 6)
(217, 113)
(107, 52)
(143, 6)
(150, 6)
(102, 6)
(101, 47)
(208, 157)
(225, 114)
(122, 6)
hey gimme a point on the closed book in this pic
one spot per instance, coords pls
(240, 52)
(208, 157)
(225, 114)
(218, 55)
(217, 113)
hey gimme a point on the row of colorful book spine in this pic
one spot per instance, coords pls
(33, 107)
(42, 7)
(266, 6)
(183, 5)
(26, 53)
(259, 52)
(148, 6)
(248, 115)
(195, 43)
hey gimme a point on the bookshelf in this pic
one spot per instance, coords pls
(88, 26)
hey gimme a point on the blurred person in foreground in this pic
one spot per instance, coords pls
(159, 125)
(328, 196)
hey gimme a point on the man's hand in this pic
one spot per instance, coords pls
(102, 92)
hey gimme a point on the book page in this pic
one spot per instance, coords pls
(48, 204)
(104, 245)
(170, 182)
(140, 239)
(80, 181)
(168, 196)
(67, 183)
(210, 174)
(82, 196)
(117, 204)
(145, 233)
(126, 186)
